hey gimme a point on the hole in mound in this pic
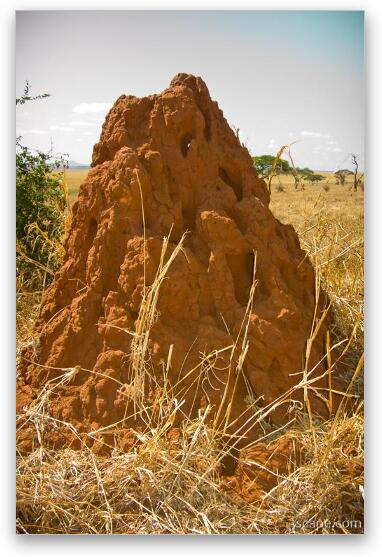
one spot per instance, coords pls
(92, 231)
(241, 267)
(231, 182)
(189, 218)
(185, 144)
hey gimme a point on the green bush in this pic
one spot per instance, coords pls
(41, 203)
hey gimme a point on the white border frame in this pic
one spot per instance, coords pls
(169, 545)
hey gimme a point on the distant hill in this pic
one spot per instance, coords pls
(74, 164)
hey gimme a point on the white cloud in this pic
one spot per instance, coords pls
(330, 142)
(37, 132)
(306, 133)
(328, 148)
(291, 134)
(84, 108)
(80, 123)
(89, 133)
(61, 128)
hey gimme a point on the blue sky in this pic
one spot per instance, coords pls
(281, 77)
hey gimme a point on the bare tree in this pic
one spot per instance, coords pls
(354, 159)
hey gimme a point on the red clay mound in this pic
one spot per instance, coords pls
(175, 155)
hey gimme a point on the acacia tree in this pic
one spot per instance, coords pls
(269, 166)
(314, 178)
(264, 164)
(304, 175)
(341, 175)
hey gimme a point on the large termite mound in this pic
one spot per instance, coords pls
(168, 164)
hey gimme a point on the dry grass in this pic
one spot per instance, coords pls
(164, 488)
(330, 227)
(167, 486)
(74, 178)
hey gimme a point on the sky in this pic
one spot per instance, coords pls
(281, 77)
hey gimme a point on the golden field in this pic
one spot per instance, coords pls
(74, 179)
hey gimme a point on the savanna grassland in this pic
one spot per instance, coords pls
(159, 487)
(74, 178)
(329, 220)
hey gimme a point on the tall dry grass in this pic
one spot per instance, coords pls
(330, 226)
(170, 482)
(33, 276)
